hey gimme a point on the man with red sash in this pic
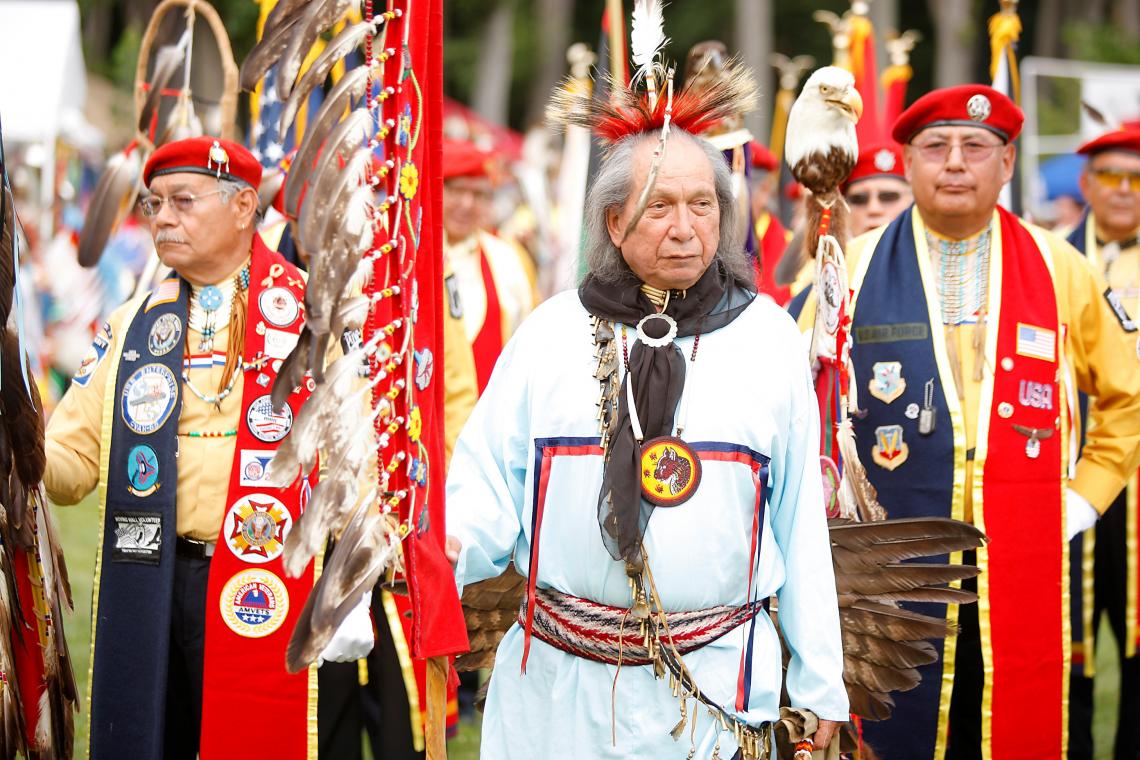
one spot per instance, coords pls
(170, 417)
(972, 332)
(489, 278)
(771, 236)
(1106, 561)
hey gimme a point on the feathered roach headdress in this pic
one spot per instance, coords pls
(632, 111)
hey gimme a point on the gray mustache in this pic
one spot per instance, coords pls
(168, 236)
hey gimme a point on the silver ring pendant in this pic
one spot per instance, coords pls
(664, 340)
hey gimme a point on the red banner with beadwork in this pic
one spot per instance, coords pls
(408, 278)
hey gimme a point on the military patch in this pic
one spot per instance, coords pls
(425, 365)
(891, 333)
(890, 450)
(142, 470)
(267, 424)
(670, 471)
(166, 292)
(1119, 311)
(454, 306)
(255, 528)
(1036, 342)
(138, 537)
(252, 467)
(254, 603)
(149, 396)
(94, 356)
(887, 382)
(164, 334)
(278, 306)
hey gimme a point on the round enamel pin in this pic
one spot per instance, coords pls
(256, 527)
(267, 424)
(164, 334)
(670, 471)
(254, 603)
(148, 398)
(142, 470)
(278, 306)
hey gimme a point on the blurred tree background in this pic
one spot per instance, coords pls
(503, 56)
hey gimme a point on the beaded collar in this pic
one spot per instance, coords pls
(962, 270)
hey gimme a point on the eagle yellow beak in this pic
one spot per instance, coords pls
(850, 102)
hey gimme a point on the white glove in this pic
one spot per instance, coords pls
(1079, 514)
(353, 639)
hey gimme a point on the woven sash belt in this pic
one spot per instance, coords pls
(606, 634)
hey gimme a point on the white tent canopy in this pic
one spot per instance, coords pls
(42, 58)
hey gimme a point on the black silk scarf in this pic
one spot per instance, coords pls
(658, 376)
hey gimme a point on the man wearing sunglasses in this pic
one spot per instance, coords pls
(1107, 235)
(971, 333)
(876, 191)
(171, 419)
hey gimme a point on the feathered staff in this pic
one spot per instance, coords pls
(173, 99)
(37, 684)
(821, 150)
(360, 196)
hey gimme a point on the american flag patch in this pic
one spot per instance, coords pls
(1036, 342)
(166, 292)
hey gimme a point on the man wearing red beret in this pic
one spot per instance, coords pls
(972, 332)
(170, 417)
(490, 287)
(876, 190)
(1107, 235)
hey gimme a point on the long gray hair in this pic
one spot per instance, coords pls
(614, 185)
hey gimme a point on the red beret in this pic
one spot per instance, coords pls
(967, 105)
(762, 158)
(463, 159)
(224, 159)
(1125, 139)
(879, 159)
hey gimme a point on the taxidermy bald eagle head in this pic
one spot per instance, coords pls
(821, 147)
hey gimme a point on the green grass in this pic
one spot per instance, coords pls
(79, 532)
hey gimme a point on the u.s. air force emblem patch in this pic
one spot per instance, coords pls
(254, 603)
